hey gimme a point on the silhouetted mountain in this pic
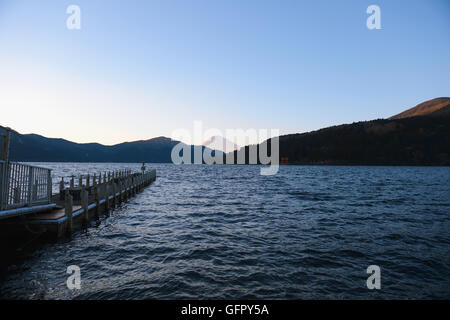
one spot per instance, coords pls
(434, 107)
(36, 148)
(418, 136)
(411, 141)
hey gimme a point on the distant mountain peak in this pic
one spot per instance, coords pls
(434, 107)
(220, 143)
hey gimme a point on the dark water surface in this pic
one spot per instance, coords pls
(227, 232)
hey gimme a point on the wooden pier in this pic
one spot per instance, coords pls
(77, 205)
(26, 198)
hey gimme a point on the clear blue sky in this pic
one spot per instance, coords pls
(140, 69)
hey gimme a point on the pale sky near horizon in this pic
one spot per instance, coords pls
(142, 69)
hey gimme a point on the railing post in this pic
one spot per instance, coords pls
(6, 182)
(4, 185)
(17, 195)
(35, 190)
(5, 145)
(49, 186)
(3, 181)
(30, 184)
(1, 185)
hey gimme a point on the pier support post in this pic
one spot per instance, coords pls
(72, 182)
(124, 193)
(120, 191)
(97, 202)
(130, 184)
(114, 194)
(124, 187)
(68, 211)
(61, 187)
(84, 205)
(106, 195)
(130, 179)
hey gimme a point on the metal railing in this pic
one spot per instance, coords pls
(24, 185)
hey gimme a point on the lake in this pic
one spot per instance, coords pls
(217, 232)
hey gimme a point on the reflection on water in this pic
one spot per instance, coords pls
(227, 232)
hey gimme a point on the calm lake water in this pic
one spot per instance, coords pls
(226, 232)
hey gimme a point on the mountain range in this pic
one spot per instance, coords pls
(36, 148)
(418, 136)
